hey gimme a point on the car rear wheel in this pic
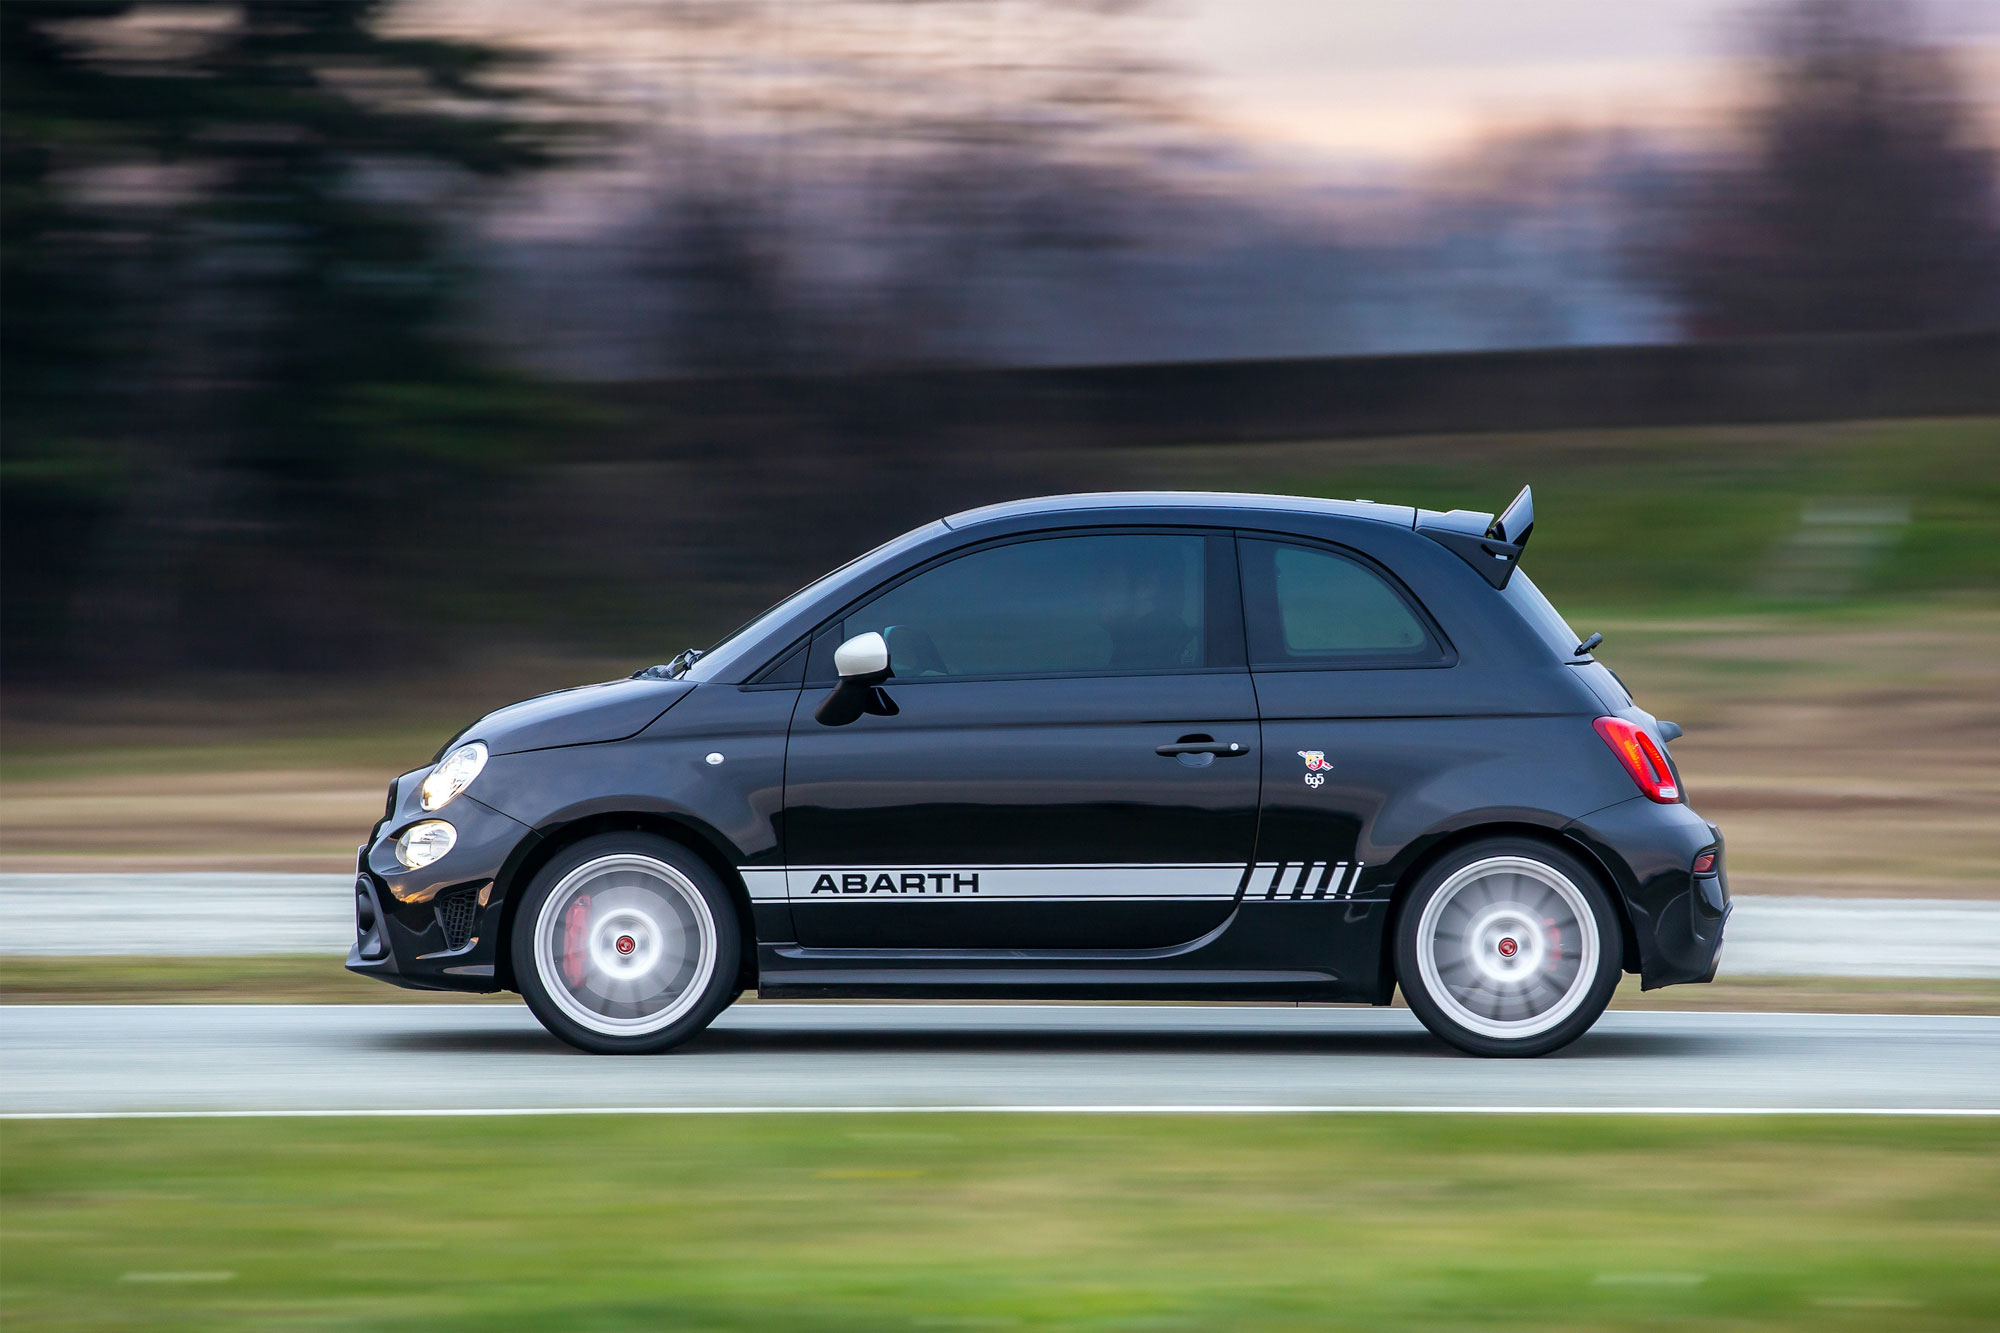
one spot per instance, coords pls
(626, 943)
(1508, 947)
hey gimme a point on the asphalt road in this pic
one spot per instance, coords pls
(400, 1058)
(237, 913)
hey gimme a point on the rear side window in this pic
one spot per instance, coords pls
(1079, 605)
(1306, 606)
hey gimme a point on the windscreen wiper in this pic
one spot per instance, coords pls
(673, 670)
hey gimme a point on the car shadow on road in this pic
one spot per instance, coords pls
(511, 1041)
(735, 1041)
(1112, 1042)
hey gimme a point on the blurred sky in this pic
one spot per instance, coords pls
(1339, 89)
(1385, 81)
(1285, 177)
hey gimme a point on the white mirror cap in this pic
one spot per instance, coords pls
(862, 655)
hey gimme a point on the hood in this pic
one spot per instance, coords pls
(589, 713)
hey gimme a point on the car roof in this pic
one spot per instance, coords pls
(1222, 502)
(750, 647)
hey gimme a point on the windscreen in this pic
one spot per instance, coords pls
(727, 654)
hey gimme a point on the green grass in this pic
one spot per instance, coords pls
(1650, 523)
(870, 1222)
(328, 745)
(257, 979)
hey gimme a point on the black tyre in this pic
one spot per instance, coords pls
(626, 944)
(1508, 947)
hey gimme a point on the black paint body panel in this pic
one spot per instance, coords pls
(608, 711)
(1677, 917)
(1051, 776)
(997, 773)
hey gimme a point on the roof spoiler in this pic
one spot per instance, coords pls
(1490, 545)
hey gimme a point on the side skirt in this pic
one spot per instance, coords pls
(966, 984)
(1283, 950)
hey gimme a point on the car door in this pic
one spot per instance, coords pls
(1354, 689)
(1057, 773)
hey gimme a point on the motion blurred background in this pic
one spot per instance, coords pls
(368, 365)
(365, 366)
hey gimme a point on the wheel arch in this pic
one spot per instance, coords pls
(686, 832)
(1406, 883)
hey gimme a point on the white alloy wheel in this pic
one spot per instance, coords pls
(625, 945)
(1508, 947)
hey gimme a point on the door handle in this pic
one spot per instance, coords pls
(1201, 745)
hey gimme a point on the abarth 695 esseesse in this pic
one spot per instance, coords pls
(1145, 746)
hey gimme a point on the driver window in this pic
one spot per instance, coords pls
(1085, 605)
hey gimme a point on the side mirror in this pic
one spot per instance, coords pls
(863, 664)
(863, 655)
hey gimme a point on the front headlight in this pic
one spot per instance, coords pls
(453, 775)
(424, 843)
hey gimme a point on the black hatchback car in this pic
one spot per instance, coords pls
(1145, 746)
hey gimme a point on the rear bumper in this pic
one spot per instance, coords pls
(1677, 916)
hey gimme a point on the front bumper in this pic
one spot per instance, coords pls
(436, 928)
(1677, 916)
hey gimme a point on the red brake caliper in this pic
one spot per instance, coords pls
(1555, 945)
(576, 926)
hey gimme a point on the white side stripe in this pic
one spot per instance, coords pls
(1301, 881)
(1268, 881)
(765, 883)
(1017, 883)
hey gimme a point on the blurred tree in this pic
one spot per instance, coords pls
(854, 183)
(1861, 198)
(230, 392)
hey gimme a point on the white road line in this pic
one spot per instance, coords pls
(1140, 1108)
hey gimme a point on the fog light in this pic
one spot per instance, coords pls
(424, 843)
(1705, 864)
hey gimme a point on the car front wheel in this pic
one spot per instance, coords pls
(1508, 947)
(626, 943)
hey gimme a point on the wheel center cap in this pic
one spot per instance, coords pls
(626, 944)
(1508, 948)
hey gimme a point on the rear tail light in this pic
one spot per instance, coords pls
(1705, 864)
(1641, 756)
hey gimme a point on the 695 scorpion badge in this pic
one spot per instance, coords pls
(1316, 766)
